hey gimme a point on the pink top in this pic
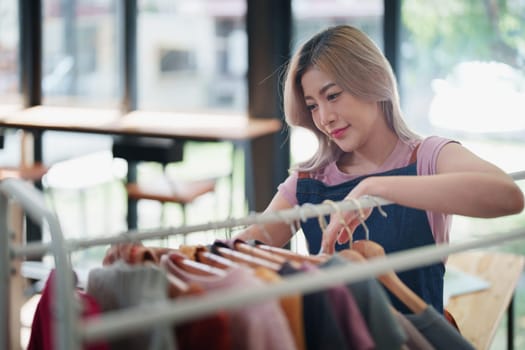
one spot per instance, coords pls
(258, 326)
(427, 155)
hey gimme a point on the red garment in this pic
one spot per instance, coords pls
(42, 332)
(214, 327)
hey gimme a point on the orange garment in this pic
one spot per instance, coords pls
(291, 305)
(190, 251)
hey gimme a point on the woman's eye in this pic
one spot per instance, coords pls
(333, 96)
(310, 107)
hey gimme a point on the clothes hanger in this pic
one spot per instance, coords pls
(274, 254)
(176, 285)
(288, 254)
(245, 248)
(361, 217)
(340, 216)
(206, 257)
(194, 267)
(371, 249)
(245, 259)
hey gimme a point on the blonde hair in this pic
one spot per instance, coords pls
(359, 67)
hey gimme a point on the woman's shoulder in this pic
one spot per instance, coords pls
(431, 145)
(428, 151)
(434, 141)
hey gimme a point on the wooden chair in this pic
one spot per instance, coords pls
(162, 186)
(31, 173)
(167, 190)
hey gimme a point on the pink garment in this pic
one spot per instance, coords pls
(427, 154)
(257, 326)
(42, 332)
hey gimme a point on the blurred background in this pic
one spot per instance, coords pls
(460, 66)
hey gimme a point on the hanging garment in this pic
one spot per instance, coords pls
(375, 309)
(415, 340)
(42, 332)
(258, 326)
(320, 325)
(121, 286)
(133, 253)
(438, 331)
(215, 327)
(291, 306)
(347, 314)
(403, 228)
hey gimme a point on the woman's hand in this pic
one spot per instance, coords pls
(343, 224)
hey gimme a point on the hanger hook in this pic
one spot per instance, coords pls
(376, 202)
(320, 216)
(361, 217)
(341, 220)
(303, 218)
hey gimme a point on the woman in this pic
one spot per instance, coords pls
(341, 87)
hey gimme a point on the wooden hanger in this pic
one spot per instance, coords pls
(288, 254)
(195, 267)
(176, 285)
(244, 247)
(208, 258)
(371, 249)
(245, 259)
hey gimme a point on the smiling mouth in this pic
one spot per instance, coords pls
(336, 134)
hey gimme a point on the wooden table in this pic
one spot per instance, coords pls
(478, 314)
(184, 126)
(175, 125)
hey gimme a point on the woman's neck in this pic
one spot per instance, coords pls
(369, 158)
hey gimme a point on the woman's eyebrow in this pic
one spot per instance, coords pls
(321, 90)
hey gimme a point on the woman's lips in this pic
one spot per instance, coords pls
(338, 133)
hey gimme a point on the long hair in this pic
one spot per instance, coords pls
(358, 66)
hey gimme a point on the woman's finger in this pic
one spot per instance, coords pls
(330, 235)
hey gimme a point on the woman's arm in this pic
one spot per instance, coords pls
(464, 184)
(274, 234)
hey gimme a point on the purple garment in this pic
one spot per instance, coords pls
(259, 326)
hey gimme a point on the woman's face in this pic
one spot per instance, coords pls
(348, 121)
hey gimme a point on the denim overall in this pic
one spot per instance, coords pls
(403, 228)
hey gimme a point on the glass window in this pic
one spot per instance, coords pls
(192, 54)
(462, 65)
(80, 58)
(311, 16)
(462, 73)
(9, 42)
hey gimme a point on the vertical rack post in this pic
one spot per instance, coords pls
(5, 263)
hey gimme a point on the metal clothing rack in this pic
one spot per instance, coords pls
(71, 331)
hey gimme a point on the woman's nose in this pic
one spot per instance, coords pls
(326, 115)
